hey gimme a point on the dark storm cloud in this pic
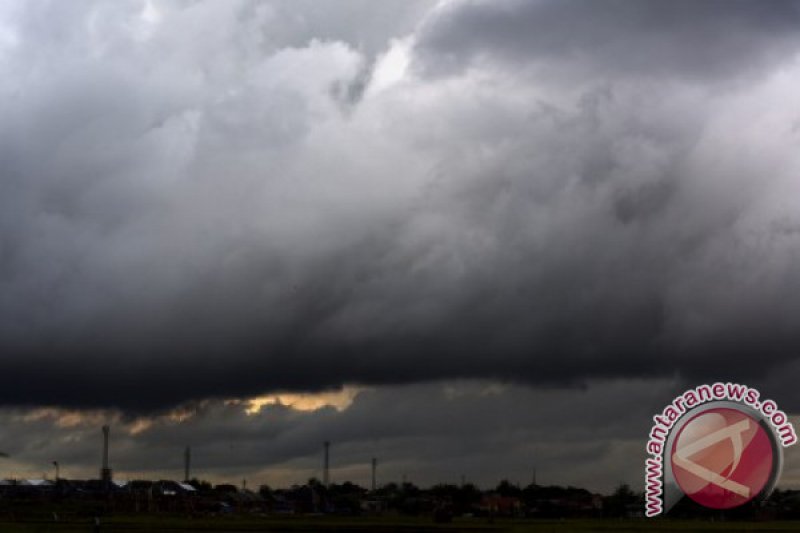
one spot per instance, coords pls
(682, 38)
(429, 433)
(196, 203)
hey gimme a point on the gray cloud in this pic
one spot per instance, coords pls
(681, 39)
(428, 433)
(486, 431)
(220, 199)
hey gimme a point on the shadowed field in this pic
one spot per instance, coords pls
(381, 524)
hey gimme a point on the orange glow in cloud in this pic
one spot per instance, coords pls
(339, 400)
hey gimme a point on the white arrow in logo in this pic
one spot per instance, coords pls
(734, 433)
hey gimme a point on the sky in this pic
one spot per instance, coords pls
(469, 237)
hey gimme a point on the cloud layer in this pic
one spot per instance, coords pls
(218, 199)
(426, 433)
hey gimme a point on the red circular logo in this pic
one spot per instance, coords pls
(722, 458)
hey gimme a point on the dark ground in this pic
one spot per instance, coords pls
(378, 524)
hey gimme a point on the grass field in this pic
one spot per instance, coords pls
(387, 524)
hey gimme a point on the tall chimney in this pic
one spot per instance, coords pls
(105, 471)
(326, 465)
(374, 468)
(187, 463)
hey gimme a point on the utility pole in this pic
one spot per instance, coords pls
(326, 464)
(187, 464)
(374, 468)
(105, 471)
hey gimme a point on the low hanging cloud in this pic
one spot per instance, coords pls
(218, 199)
(427, 434)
